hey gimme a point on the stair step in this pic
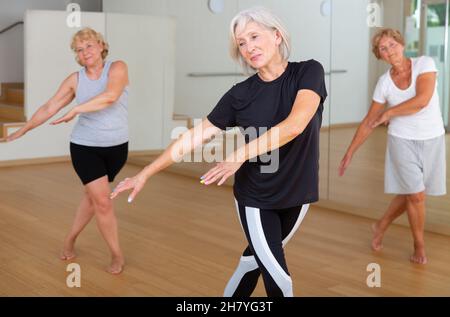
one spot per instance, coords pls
(185, 118)
(14, 96)
(12, 112)
(11, 104)
(13, 85)
(12, 93)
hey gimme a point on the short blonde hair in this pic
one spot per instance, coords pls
(394, 34)
(263, 17)
(89, 34)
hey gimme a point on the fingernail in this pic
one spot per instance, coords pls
(202, 182)
(202, 177)
(130, 199)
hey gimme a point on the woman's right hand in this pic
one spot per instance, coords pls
(135, 183)
(345, 163)
(19, 133)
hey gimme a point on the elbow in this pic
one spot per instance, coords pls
(423, 105)
(422, 102)
(111, 98)
(295, 131)
(49, 110)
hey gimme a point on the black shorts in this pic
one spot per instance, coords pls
(94, 162)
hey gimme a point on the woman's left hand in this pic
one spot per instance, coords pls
(221, 172)
(67, 117)
(383, 118)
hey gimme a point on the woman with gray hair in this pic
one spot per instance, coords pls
(283, 102)
(406, 98)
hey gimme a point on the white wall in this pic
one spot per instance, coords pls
(11, 42)
(350, 51)
(147, 45)
(49, 61)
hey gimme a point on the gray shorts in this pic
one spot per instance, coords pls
(414, 166)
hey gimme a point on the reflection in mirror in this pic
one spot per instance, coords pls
(361, 190)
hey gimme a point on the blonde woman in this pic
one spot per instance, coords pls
(406, 98)
(99, 141)
(281, 97)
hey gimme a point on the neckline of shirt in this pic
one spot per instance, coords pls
(276, 79)
(412, 77)
(101, 76)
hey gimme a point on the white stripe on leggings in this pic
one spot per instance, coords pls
(302, 215)
(239, 214)
(246, 264)
(263, 251)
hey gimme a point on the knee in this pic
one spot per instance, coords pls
(416, 198)
(89, 204)
(248, 263)
(102, 205)
(90, 207)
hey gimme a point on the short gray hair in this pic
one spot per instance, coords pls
(263, 17)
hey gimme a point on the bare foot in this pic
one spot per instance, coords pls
(419, 256)
(377, 238)
(68, 250)
(116, 266)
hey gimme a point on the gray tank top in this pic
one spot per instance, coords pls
(107, 127)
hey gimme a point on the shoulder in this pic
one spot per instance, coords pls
(383, 83)
(307, 70)
(118, 70)
(241, 88)
(424, 61)
(310, 65)
(73, 76)
(71, 80)
(384, 79)
(119, 66)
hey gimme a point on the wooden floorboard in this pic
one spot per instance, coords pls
(181, 238)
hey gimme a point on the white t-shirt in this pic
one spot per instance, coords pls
(423, 125)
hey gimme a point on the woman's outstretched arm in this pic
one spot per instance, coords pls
(185, 144)
(362, 133)
(64, 96)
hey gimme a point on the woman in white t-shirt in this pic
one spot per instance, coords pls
(406, 100)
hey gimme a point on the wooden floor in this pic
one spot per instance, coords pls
(181, 238)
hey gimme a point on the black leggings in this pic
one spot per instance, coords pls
(267, 231)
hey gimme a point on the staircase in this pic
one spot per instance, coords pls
(12, 114)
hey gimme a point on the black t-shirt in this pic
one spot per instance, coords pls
(257, 104)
